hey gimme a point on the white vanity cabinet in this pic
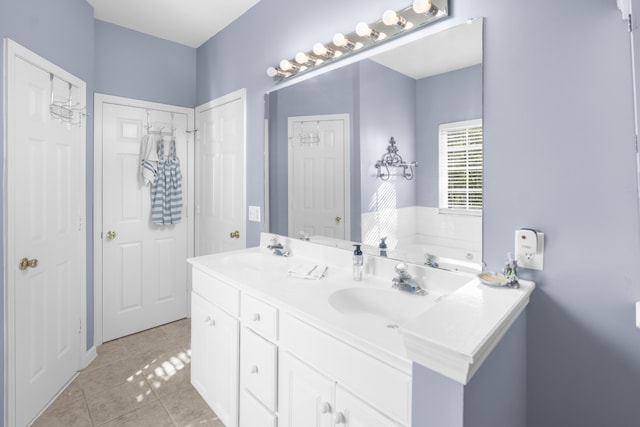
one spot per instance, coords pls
(215, 346)
(325, 382)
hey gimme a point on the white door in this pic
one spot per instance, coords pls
(220, 193)
(144, 270)
(45, 217)
(319, 176)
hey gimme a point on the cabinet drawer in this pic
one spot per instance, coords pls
(258, 367)
(382, 386)
(260, 316)
(216, 292)
(253, 414)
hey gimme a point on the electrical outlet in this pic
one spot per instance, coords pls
(529, 249)
(254, 213)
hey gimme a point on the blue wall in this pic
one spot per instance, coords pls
(459, 97)
(387, 108)
(135, 65)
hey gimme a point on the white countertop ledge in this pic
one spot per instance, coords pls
(455, 336)
(452, 337)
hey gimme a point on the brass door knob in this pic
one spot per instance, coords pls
(111, 234)
(338, 219)
(26, 263)
(235, 234)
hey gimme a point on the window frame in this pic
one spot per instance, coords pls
(444, 149)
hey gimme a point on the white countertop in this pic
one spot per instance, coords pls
(461, 322)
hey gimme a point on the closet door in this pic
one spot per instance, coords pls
(144, 265)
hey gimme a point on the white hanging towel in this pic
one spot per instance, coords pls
(148, 159)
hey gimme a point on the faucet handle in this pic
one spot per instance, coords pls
(401, 268)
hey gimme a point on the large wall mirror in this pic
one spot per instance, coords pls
(328, 137)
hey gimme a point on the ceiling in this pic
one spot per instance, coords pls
(448, 50)
(188, 22)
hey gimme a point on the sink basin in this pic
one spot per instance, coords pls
(391, 304)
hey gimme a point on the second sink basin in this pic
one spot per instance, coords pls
(391, 304)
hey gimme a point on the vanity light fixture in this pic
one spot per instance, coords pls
(390, 18)
(392, 24)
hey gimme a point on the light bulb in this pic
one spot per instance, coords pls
(363, 29)
(391, 18)
(272, 72)
(425, 7)
(302, 58)
(319, 49)
(339, 40)
(285, 65)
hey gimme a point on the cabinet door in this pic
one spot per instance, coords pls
(202, 345)
(353, 412)
(304, 395)
(214, 358)
(225, 363)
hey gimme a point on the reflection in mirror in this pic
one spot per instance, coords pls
(327, 133)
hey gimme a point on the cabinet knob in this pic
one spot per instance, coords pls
(255, 317)
(339, 418)
(207, 319)
(253, 369)
(325, 408)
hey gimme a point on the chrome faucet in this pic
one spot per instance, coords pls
(276, 248)
(305, 236)
(404, 282)
(431, 260)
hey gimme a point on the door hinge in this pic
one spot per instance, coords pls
(80, 222)
(636, 141)
(79, 326)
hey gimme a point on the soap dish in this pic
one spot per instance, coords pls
(493, 279)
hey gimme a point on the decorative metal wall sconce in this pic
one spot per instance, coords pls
(392, 24)
(391, 159)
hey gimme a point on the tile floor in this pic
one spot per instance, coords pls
(138, 380)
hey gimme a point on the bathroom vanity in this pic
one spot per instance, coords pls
(272, 350)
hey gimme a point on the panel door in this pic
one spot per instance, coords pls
(144, 269)
(45, 217)
(225, 366)
(220, 203)
(318, 196)
(305, 397)
(202, 347)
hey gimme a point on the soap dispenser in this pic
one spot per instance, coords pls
(358, 263)
(383, 246)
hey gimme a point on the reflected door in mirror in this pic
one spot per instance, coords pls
(318, 165)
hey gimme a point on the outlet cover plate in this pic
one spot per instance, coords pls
(535, 261)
